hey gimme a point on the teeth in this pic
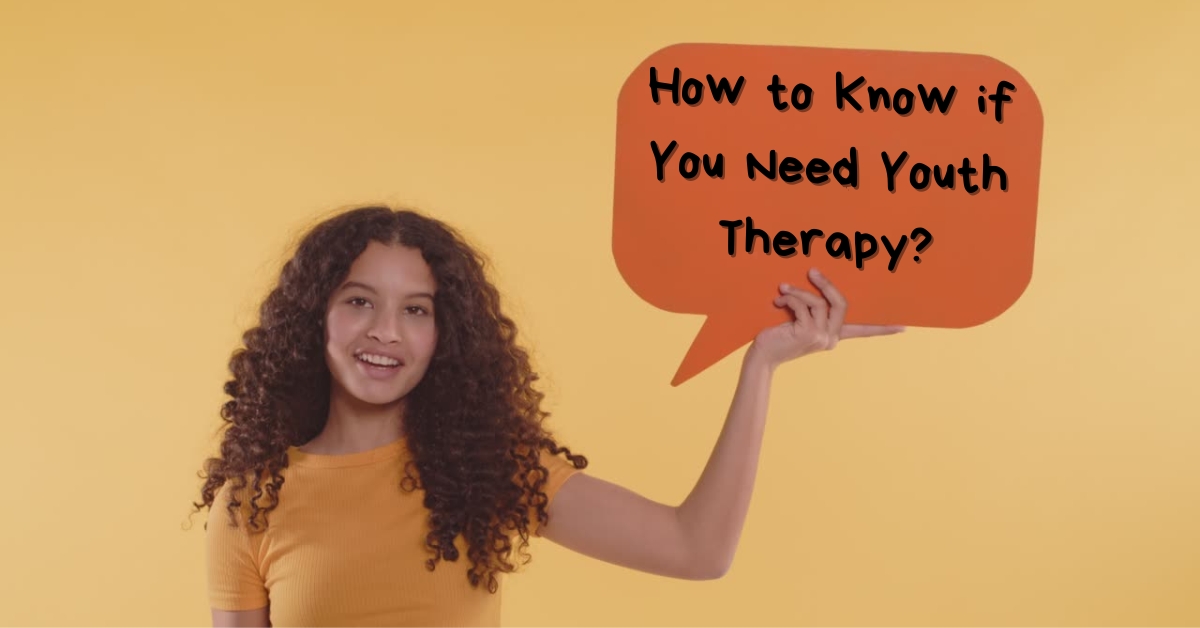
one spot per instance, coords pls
(377, 360)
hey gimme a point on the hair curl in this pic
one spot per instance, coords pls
(474, 433)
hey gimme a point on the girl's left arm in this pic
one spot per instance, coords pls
(697, 539)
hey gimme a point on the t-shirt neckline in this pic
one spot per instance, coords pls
(389, 451)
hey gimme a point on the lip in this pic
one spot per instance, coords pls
(379, 353)
(378, 372)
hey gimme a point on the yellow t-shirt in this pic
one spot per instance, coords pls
(345, 546)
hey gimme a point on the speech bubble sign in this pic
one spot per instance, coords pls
(909, 178)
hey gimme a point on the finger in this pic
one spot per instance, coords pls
(812, 306)
(863, 331)
(799, 309)
(837, 302)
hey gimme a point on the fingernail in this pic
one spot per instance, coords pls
(787, 286)
(815, 272)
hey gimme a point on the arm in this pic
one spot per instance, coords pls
(693, 541)
(697, 540)
(256, 617)
(715, 510)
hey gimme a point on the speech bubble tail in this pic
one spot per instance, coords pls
(716, 339)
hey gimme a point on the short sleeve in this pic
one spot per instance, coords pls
(235, 582)
(560, 470)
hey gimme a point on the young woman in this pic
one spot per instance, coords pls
(385, 458)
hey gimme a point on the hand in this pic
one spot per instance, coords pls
(818, 324)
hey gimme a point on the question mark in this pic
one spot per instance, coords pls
(925, 241)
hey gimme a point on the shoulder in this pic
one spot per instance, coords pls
(559, 469)
(557, 466)
(557, 463)
(233, 503)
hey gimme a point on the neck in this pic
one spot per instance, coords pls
(354, 426)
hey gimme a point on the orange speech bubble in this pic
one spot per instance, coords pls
(910, 179)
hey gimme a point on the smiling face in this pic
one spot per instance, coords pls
(380, 331)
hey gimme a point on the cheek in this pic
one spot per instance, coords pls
(426, 339)
(339, 327)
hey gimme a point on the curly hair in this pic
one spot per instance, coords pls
(471, 431)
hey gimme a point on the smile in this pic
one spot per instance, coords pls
(378, 366)
(378, 360)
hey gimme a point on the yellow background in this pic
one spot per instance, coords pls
(157, 159)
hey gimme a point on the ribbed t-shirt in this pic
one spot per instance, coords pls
(346, 546)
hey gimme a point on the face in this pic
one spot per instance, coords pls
(379, 325)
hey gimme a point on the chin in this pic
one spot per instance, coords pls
(379, 399)
(373, 395)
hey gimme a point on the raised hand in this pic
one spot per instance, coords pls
(818, 325)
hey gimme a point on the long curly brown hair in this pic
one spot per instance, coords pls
(474, 433)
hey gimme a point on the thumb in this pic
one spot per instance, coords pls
(863, 331)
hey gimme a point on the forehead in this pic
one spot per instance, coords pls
(392, 268)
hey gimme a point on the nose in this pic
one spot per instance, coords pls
(385, 329)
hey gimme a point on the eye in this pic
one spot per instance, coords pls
(419, 309)
(356, 300)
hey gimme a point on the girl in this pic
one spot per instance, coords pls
(383, 420)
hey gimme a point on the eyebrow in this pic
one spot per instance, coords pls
(355, 284)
